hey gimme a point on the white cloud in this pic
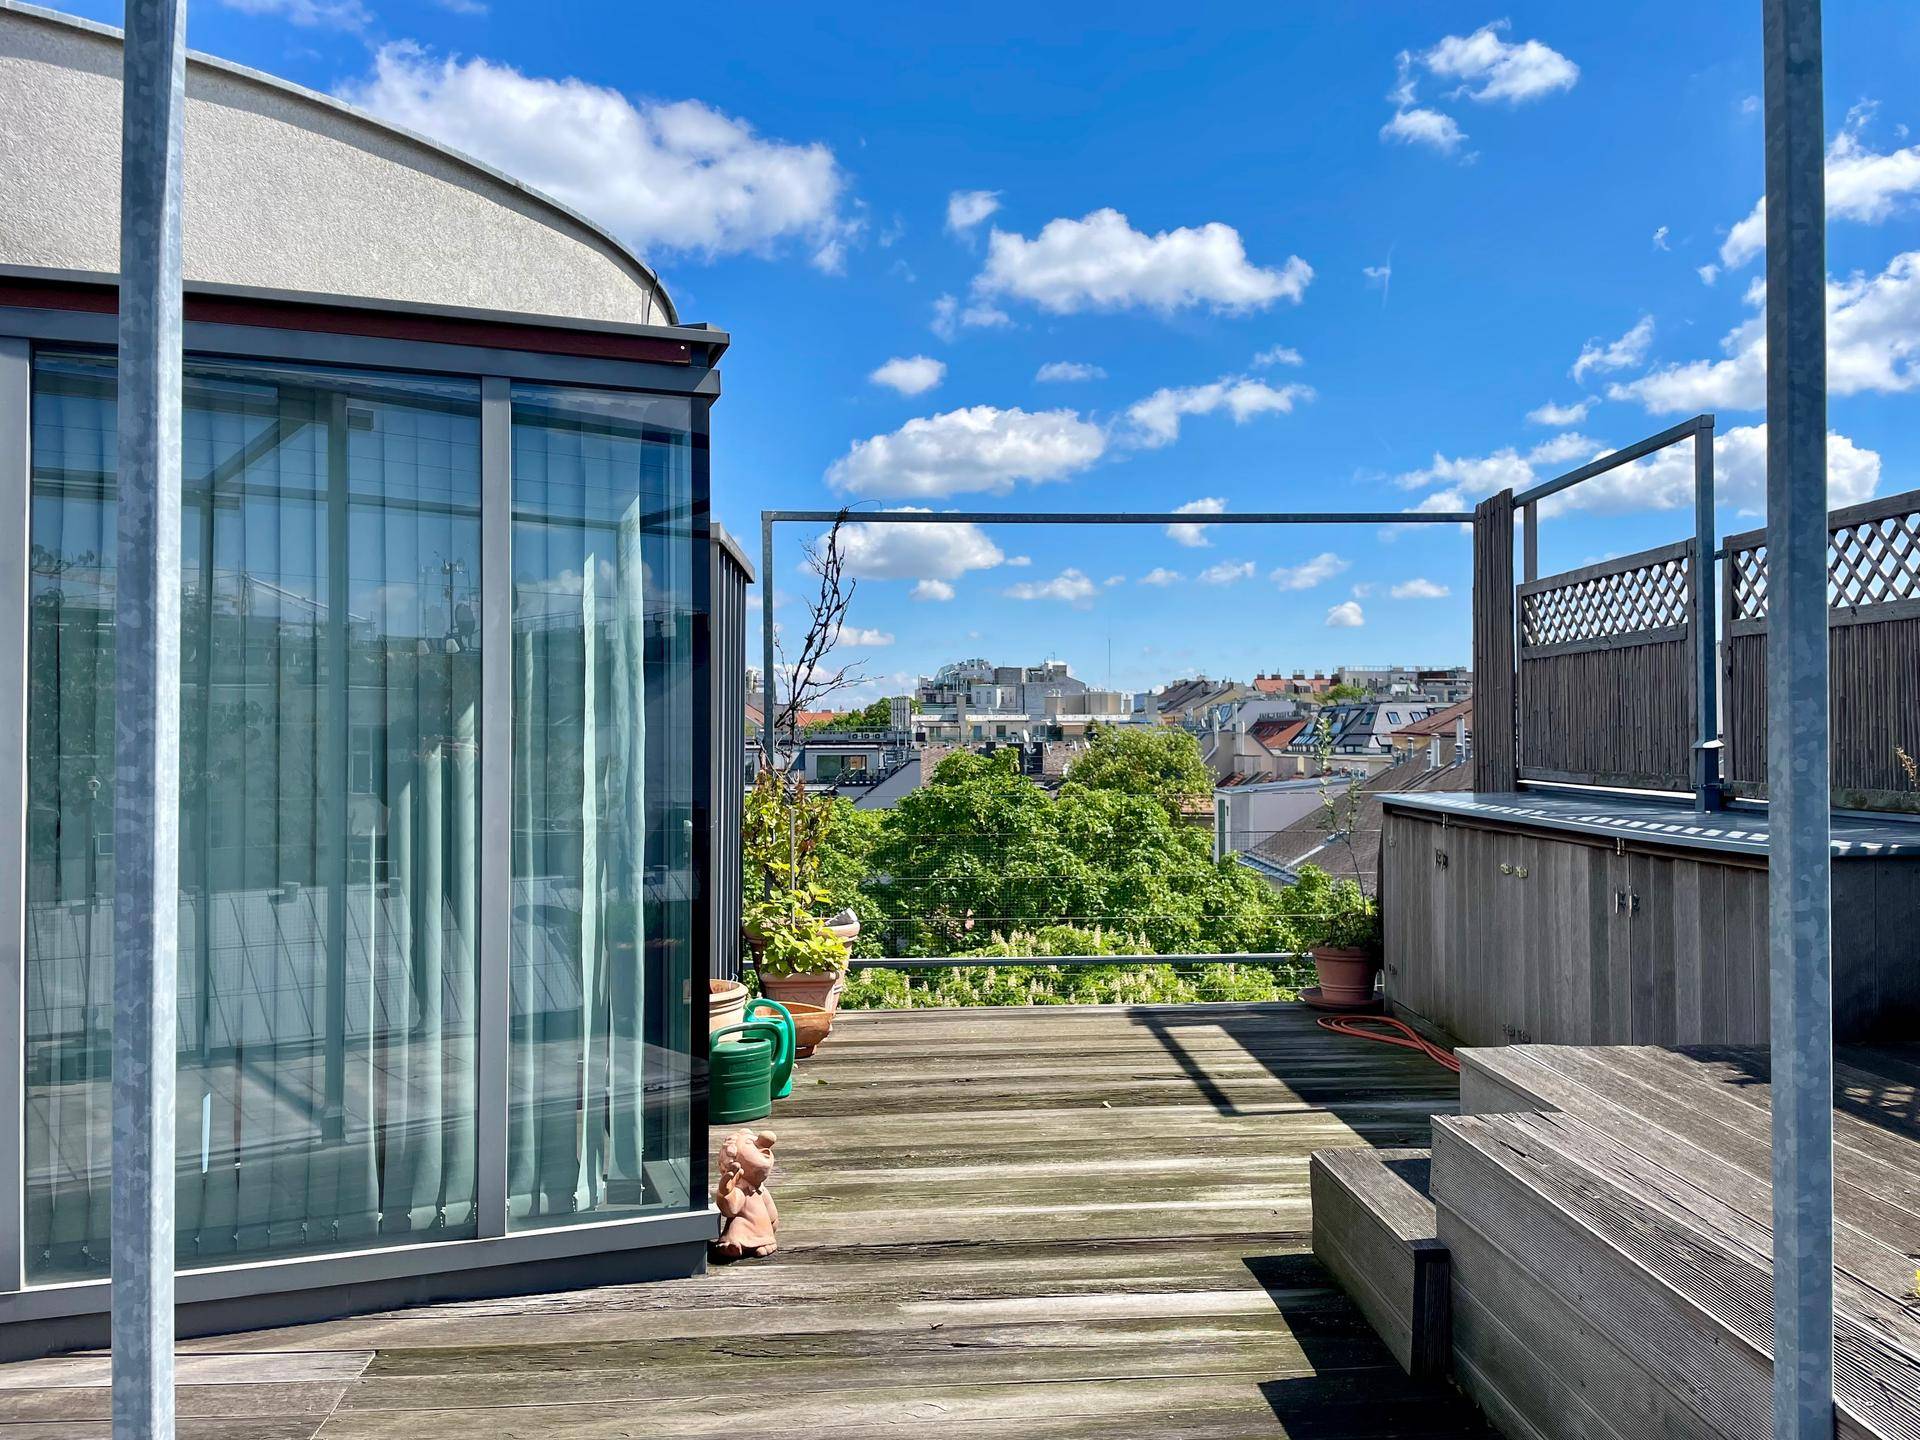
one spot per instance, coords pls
(1100, 262)
(310, 14)
(937, 551)
(1419, 588)
(1490, 68)
(967, 208)
(1381, 275)
(1069, 585)
(1059, 372)
(860, 635)
(663, 175)
(1156, 419)
(1660, 239)
(911, 374)
(1227, 572)
(1873, 344)
(1482, 475)
(1418, 125)
(1020, 561)
(1113, 580)
(1629, 350)
(1309, 573)
(1665, 481)
(1347, 615)
(1708, 273)
(1863, 185)
(978, 448)
(1554, 413)
(933, 590)
(1160, 575)
(1278, 355)
(1195, 536)
(950, 316)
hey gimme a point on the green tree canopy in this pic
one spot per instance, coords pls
(877, 716)
(1155, 761)
(1340, 694)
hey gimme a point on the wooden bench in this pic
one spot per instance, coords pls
(1373, 1228)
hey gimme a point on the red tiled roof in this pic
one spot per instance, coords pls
(1277, 734)
(1441, 722)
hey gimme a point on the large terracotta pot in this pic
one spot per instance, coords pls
(728, 1005)
(821, 989)
(1346, 973)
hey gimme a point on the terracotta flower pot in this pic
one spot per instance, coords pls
(820, 989)
(811, 1025)
(1346, 973)
(728, 1005)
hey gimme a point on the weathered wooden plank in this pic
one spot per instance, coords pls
(1373, 1228)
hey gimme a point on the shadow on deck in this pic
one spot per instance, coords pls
(1034, 1223)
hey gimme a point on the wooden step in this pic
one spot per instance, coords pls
(1598, 1293)
(1373, 1228)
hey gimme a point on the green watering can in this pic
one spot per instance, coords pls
(750, 1064)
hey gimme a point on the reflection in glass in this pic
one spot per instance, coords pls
(330, 684)
(602, 796)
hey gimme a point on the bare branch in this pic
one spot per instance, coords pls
(809, 677)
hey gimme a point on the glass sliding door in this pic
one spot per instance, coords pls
(329, 908)
(602, 805)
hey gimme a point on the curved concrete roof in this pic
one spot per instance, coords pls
(291, 191)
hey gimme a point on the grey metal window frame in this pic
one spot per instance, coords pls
(399, 1273)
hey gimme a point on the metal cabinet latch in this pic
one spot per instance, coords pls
(1626, 902)
(1519, 872)
(1440, 858)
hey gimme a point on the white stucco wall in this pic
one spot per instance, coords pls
(287, 190)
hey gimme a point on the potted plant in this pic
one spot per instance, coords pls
(796, 954)
(799, 952)
(1347, 956)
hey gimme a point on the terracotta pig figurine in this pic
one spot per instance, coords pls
(742, 1197)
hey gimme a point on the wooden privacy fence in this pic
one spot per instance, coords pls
(1873, 591)
(1607, 672)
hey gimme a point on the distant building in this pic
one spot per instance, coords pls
(1445, 684)
(968, 685)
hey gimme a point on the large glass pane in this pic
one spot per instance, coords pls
(330, 684)
(602, 805)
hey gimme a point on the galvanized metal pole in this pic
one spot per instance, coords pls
(1707, 790)
(146, 718)
(1798, 775)
(766, 639)
(1530, 542)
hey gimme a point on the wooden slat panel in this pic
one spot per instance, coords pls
(1495, 743)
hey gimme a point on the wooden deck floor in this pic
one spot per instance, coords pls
(995, 1223)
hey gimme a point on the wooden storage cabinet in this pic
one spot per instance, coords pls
(1510, 937)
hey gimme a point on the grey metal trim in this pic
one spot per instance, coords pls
(1626, 455)
(1799, 720)
(1708, 788)
(703, 335)
(1678, 550)
(735, 552)
(1113, 517)
(146, 717)
(16, 471)
(494, 1018)
(317, 1272)
(1530, 542)
(767, 519)
(328, 102)
(314, 347)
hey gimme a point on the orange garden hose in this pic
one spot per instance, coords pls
(1389, 1031)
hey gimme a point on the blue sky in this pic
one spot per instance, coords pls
(1306, 257)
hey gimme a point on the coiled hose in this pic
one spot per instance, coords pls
(1388, 1031)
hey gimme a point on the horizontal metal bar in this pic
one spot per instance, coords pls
(958, 962)
(1600, 569)
(1626, 455)
(1120, 517)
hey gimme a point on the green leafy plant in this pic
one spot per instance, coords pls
(1352, 919)
(789, 938)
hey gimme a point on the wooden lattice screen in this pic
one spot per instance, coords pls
(1873, 589)
(1606, 672)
